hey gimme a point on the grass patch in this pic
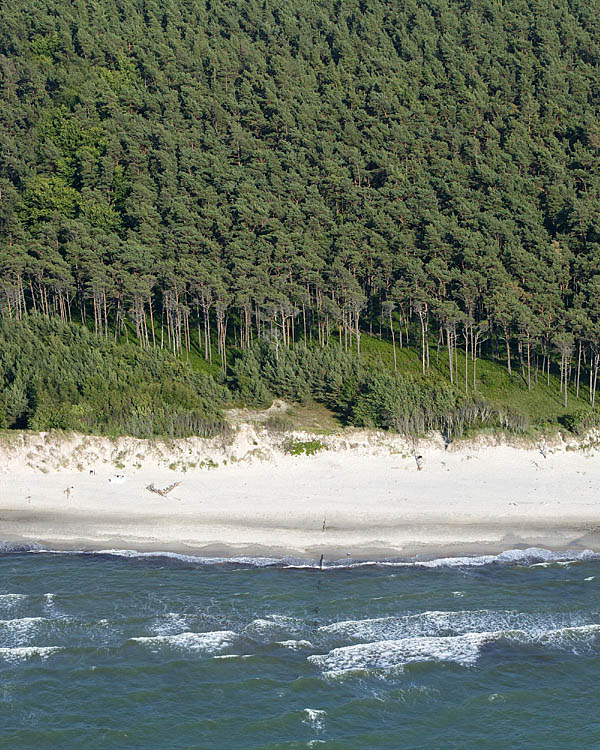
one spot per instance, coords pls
(303, 448)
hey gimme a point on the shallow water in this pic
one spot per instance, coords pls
(126, 651)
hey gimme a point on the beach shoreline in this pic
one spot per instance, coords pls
(364, 497)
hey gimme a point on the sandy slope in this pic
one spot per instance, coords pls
(362, 497)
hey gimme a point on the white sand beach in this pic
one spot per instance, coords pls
(363, 497)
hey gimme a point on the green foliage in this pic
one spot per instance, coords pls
(580, 422)
(203, 175)
(306, 448)
(46, 47)
(368, 394)
(57, 376)
(329, 375)
(48, 198)
(402, 403)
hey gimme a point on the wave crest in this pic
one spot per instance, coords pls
(203, 643)
(22, 653)
(529, 556)
(461, 649)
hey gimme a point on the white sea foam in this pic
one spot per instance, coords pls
(50, 606)
(529, 556)
(295, 645)
(576, 639)
(10, 601)
(205, 643)
(266, 629)
(372, 628)
(314, 718)
(18, 631)
(440, 623)
(422, 624)
(462, 649)
(22, 653)
(171, 623)
(197, 559)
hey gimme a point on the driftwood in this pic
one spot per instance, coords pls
(165, 492)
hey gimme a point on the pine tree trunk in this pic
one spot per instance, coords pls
(105, 314)
(422, 342)
(466, 359)
(562, 365)
(450, 362)
(578, 370)
(393, 343)
(474, 353)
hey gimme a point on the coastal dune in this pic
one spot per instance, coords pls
(362, 495)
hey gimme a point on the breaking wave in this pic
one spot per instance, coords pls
(10, 601)
(23, 653)
(436, 623)
(294, 645)
(529, 556)
(314, 718)
(265, 630)
(461, 649)
(16, 632)
(202, 643)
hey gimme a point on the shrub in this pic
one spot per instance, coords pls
(59, 376)
(580, 422)
(299, 447)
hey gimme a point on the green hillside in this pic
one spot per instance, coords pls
(334, 181)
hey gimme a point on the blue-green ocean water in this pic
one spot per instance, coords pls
(156, 652)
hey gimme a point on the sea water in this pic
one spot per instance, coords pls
(120, 650)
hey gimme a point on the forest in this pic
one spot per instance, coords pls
(377, 205)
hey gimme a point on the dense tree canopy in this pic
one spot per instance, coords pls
(206, 172)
